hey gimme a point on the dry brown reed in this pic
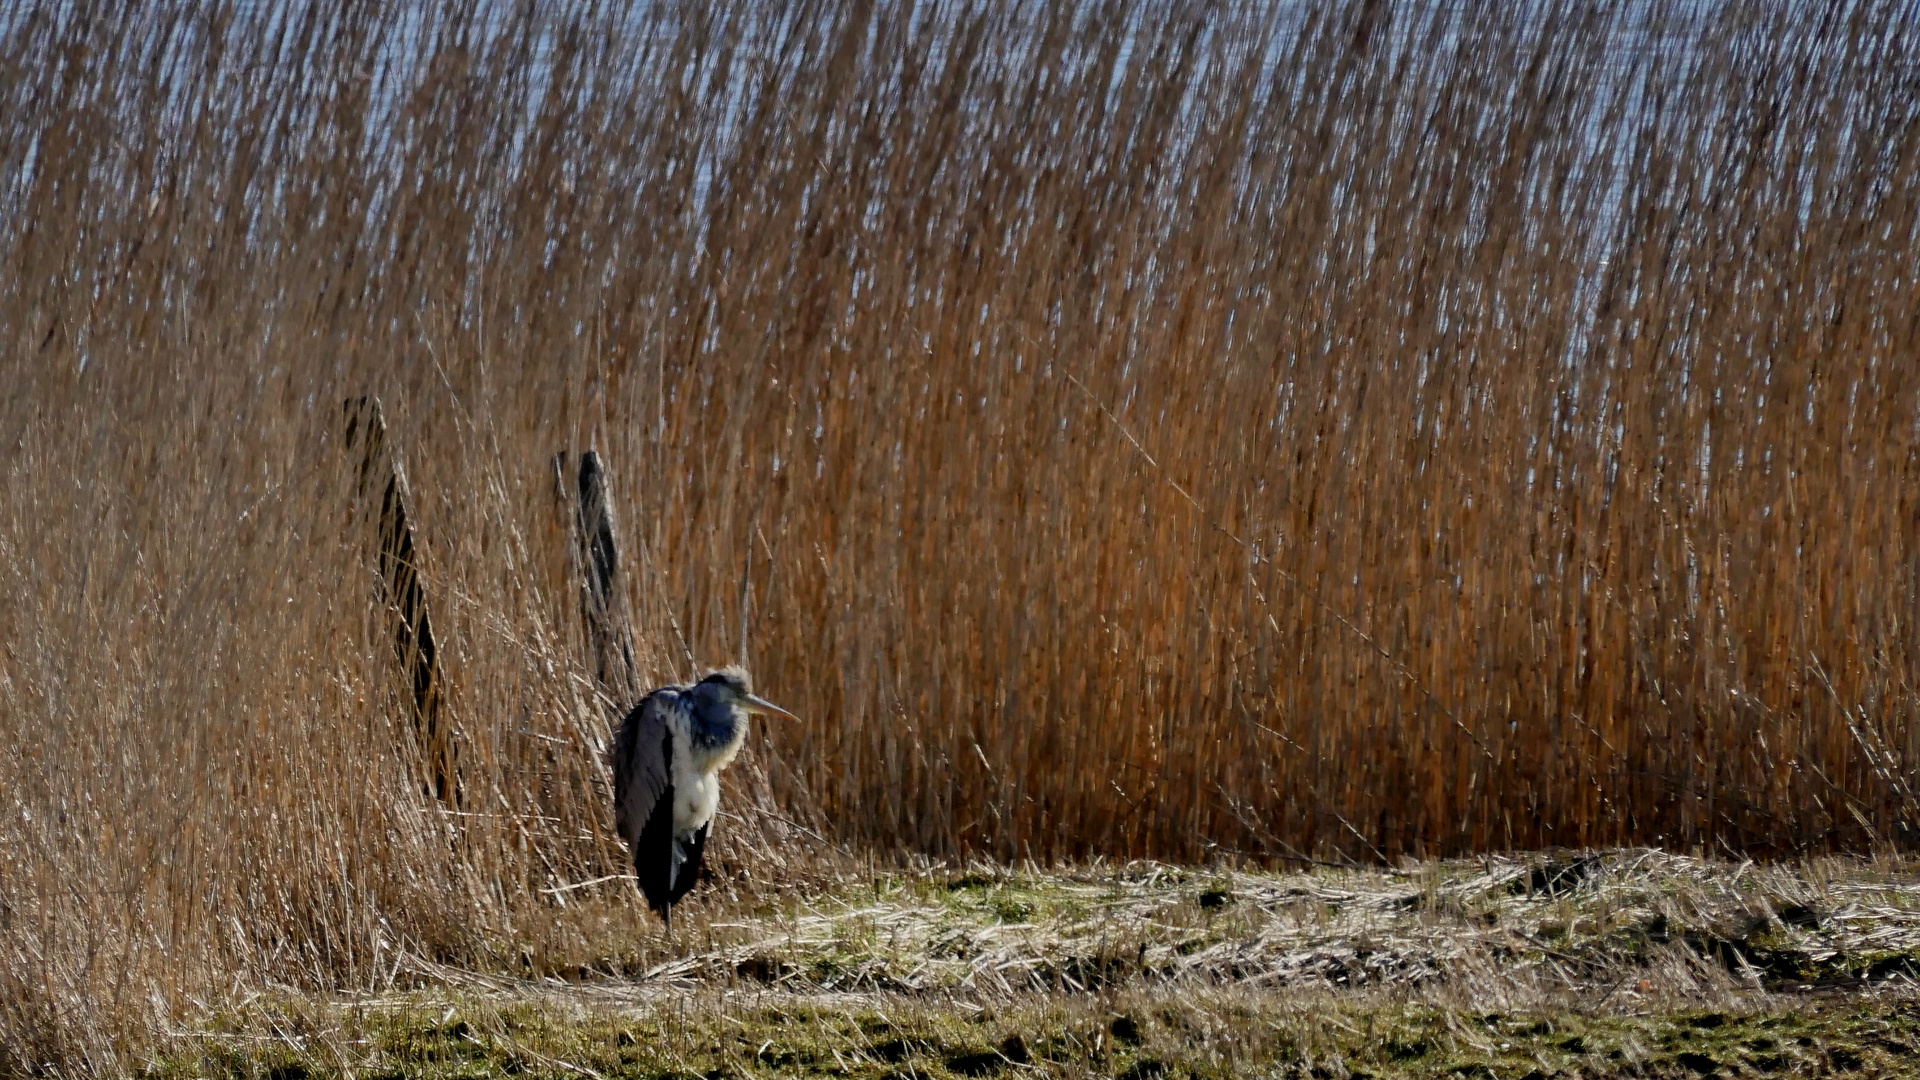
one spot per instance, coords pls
(1174, 430)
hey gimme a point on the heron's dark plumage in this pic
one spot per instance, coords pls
(666, 866)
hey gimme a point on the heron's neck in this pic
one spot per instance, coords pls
(714, 732)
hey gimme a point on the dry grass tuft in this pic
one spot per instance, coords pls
(1126, 430)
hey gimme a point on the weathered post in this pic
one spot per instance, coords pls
(595, 558)
(401, 592)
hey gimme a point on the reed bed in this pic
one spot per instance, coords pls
(1254, 432)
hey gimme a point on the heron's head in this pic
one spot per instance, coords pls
(732, 685)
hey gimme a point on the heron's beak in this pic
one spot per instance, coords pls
(754, 703)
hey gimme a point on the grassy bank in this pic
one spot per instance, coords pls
(1629, 963)
(1615, 924)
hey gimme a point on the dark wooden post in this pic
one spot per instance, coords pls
(402, 593)
(595, 558)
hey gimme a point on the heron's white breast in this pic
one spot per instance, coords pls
(694, 801)
(696, 784)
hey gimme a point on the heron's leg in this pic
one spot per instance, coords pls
(667, 914)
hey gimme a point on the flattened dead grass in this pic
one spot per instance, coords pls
(1608, 964)
(1625, 924)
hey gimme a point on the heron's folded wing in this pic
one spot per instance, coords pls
(641, 771)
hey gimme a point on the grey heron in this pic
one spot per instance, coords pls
(667, 758)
